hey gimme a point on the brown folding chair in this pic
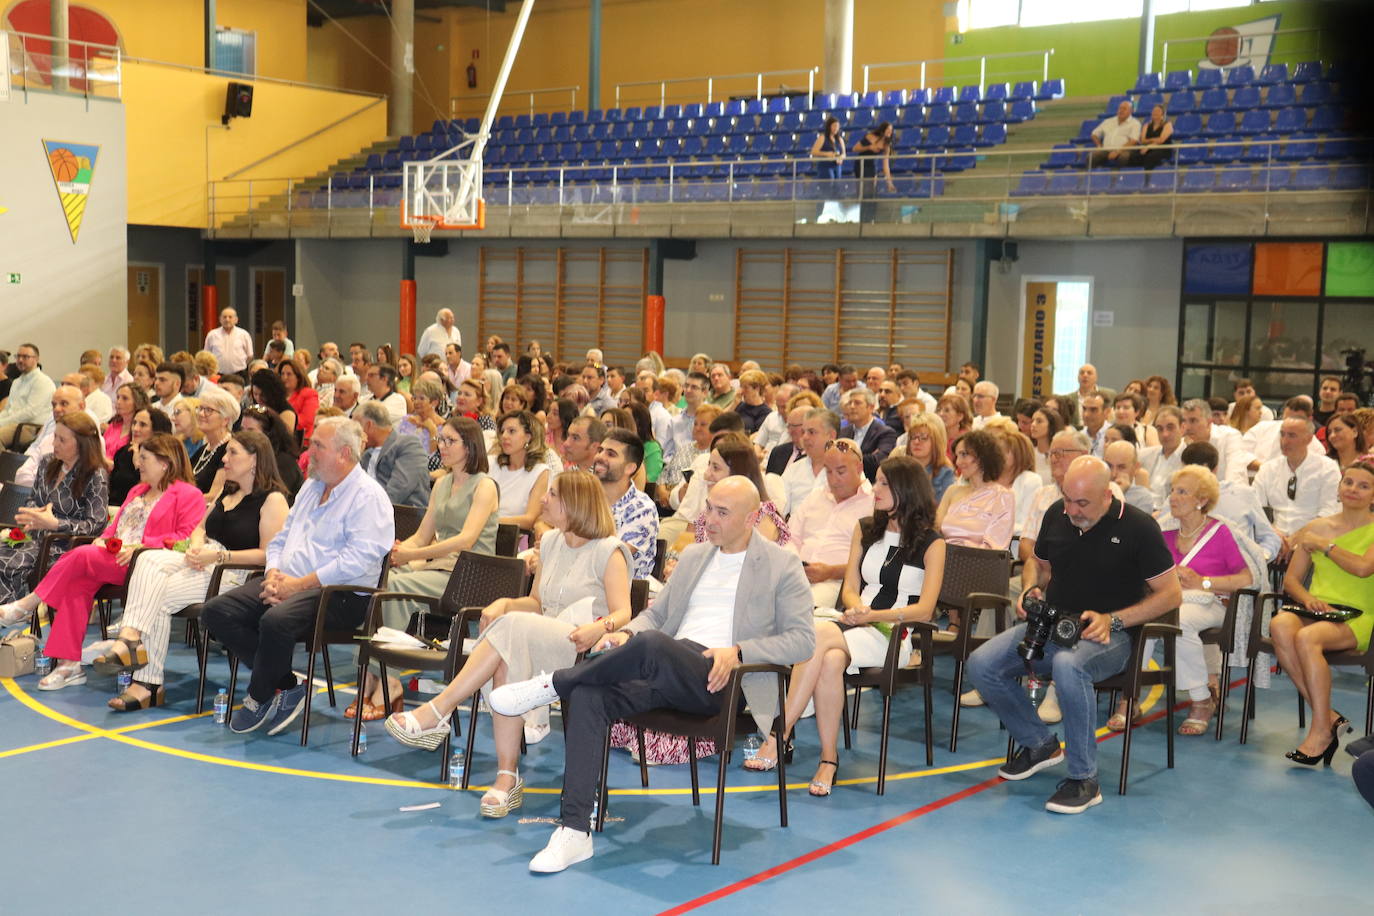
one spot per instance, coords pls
(10, 463)
(12, 498)
(24, 434)
(722, 728)
(1344, 659)
(199, 636)
(660, 559)
(1224, 638)
(975, 580)
(887, 679)
(1129, 682)
(407, 520)
(508, 540)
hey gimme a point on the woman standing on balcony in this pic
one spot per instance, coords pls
(876, 143)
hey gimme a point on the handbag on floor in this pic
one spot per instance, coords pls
(17, 653)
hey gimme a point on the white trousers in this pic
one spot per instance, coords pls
(161, 586)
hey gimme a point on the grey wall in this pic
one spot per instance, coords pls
(71, 296)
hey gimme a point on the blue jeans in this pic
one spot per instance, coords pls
(995, 666)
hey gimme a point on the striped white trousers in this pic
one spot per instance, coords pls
(161, 586)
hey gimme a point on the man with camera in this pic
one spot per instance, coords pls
(1103, 571)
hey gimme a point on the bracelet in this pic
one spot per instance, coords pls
(1329, 547)
(606, 622)
(223, 557)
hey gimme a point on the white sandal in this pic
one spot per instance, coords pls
(405, 728)
(496, 803)
(63, 676)
(13, 613)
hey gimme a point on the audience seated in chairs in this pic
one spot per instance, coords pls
(581, 593)
(737, 600)
(896, 564)
(65, 399)
(818, 428)
(267, 421)
(339, 532)
(823, 525)
(164, 507)
(874, 437)
(216, 415)
(462, 515)
(242, 522)
(70, 495)
(926, 444)
(397, 462)
(1338, 551)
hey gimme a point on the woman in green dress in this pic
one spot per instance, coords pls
(1339, 551)
(462, 515)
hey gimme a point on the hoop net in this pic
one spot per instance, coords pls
(423, 227)
(442, 194)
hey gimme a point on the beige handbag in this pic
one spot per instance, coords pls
(17, 653)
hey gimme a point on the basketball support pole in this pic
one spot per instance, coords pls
(498, 89)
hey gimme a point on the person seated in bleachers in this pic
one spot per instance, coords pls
(978, 511)
(893, 574)
(268, 391)
(581, 592)
(1123, 458)
(1344, 440)
(88, 380)
(1198, 428)
(128, 400)
(1156, 136)
(164, 506)
(636, 517)
(186, 428)
(1115, 139)
(244, 519)
(1158, 393)
(70, 493)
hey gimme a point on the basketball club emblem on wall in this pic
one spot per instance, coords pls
(72, 166)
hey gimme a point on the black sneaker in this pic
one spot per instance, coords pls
(1028, 761)
(289, 706)
(252, 714)
(1074, 796)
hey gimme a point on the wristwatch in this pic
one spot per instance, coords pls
(1117, 625)
(1207, 584)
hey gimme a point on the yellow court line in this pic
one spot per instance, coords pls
(119, 735)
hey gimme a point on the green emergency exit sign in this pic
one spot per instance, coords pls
(14, 278)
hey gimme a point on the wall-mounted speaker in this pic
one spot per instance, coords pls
(238, 102)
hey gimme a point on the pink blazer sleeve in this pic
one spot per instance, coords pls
(175, 516)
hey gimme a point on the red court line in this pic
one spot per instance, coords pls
(868, 832)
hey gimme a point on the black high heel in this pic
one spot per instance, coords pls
(1325, 756)
(820, 789)
(1341, 724)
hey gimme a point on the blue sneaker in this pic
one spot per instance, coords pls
(252, 714)
(289, 706)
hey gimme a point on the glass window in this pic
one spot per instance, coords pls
(1072, 314)
(1228, 334)
(1051, 12)
(1346, 325)
(986, 14)
(236, 51)
(1283, 337)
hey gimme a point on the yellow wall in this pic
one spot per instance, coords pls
(176, 143)
(280, 27)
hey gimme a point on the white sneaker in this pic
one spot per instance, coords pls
(972, 698)
(566, 847)
(536, 733)
(520, 697)
(1049, 707)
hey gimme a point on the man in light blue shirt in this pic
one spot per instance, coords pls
(29, 397)
(339, 532)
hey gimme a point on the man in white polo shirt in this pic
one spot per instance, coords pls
(1114, 138)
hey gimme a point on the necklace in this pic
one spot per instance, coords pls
(1192, 534)
(203, 460)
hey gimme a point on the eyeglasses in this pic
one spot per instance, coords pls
(1066, 452)
(449, 440)
(206, 410)
(1293, 487)
(843, 446)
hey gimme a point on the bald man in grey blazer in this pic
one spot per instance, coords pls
(737, 599)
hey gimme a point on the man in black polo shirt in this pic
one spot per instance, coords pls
(1108, 561)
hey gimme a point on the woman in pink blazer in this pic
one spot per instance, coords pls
(164, 507)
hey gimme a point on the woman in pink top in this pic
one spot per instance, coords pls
(129, 400)
(977, 511)
(165, 507)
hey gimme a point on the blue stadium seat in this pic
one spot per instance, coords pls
(1021, 110)
(713, 110)
(374, 163)
(1147, 82)
(761, 144)
(1212, 100)
(505, 122)
(1147, 101)
(1066, 183)
(846, 100)
(1298, 147)
(965, 113)
(1289, 120)
(945, 95)
(1197, 180)
(471, 125)
(523, 120)
(633, 113)
(424, 142)
(1176, 80)
(1129, 181)
(1351, 176)
(1274, 178)
(993, 113)
(1181, 102)
(1306, 72)
(1234, 178)
(1031, 184)
(540, 120)
(1188, 124)
(1101, 181)
(958, 160)
(1207, 78)
(1345, 148)
(918, 97)
(779, 104)
(1192, 155)
(391, 161)
(581, 132)
(1221, 123)
(612, 114)
(1109, 110)
(1161, 181)
(1281, 95)
(1063, 156)
(870, 99)
(1272, 75)
(996, 92)
(964, 135)
(673, 112)
(1049, 90)
(969, 94)
(894, 98)
(1254, 121)
(937, 114)
(340, 181)
(407, 144)
(1245, 98)
(1311, 178)
(911, 116)
(1326, 119)
(1260, 149)
(993, 135)
(1222, 153)
(1243, 75)
(1315, 93)
(936, 137)
(1024, 89)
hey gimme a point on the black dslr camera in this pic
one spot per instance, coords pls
(1044, 623)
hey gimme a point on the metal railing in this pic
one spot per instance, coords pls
(1302, 51)
(510, 101)
(951, 67)
(924, 189)
(250, 77)
(751, 84)
(67, 66)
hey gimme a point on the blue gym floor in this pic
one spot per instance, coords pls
(162, 812)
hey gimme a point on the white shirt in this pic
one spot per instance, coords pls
(1317, 480)
(98, 405)
(800, 480)
(30, 399)
(979, 422)
(694, 499)
(436, 339)
(459, 375)
(112, 382)
(290, 347)
(663, 429)
(771, 432)
(1024, 487)
(234, 350)
(39, 448)
(926, 398)
(1099, 440)
(1261, 443)
(168, 407)
(710, 617)
(1161, 468)
(1232, 462)
(395, 404)
(1240, 505)
(1114, 133)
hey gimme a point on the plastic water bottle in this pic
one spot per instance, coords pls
(42, 665)
(362, 739)
(596, 806)
(1036, 689)
(221, 707)
(125, 679)
(457, 765)
(751, 746)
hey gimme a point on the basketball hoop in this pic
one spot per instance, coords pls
(423, 227)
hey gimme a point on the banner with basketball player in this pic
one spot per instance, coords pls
(73, 167)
